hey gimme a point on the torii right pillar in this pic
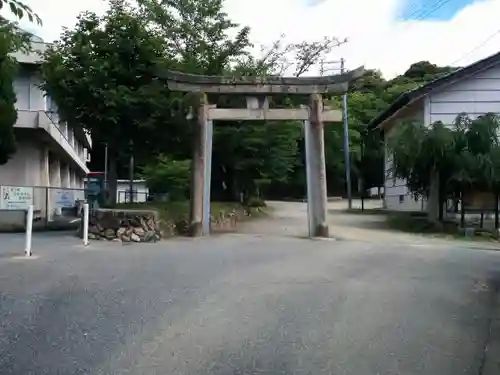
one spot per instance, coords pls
(315, 164)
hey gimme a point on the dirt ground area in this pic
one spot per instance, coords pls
(290, 219)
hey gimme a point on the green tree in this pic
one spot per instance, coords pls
(11, 40)
(423, 71)
(167, 175)
(371, 95)
(476, 161)
(195, 34)
(455, 158)
(101, 75)
(254, 158)
(7, 95)
(423, 155)
(19, 9)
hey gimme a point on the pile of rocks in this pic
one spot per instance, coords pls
(124, 225)
(144, 225)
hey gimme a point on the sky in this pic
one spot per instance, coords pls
(388, 35)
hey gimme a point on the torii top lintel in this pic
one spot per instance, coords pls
(336, 84)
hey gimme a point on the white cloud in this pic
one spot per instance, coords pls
(57, 14)
(377, 38)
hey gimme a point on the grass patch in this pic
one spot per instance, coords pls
(175, 215)
(418, 224)
(179, 210)
(366, 211)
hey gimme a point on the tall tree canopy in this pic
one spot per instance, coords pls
(12, 39)
(102, 75)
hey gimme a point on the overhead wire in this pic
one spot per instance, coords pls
(437, 5)
(475, 48)
(424, 11)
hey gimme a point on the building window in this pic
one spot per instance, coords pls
(134, 195)
(21, 87)
(401, 199)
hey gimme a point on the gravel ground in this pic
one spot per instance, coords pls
(247, 303)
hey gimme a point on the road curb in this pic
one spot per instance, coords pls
(491, 364)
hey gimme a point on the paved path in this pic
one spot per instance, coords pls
(247, 304)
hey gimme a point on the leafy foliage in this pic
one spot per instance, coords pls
(20, 9)
(168, 175)
(10, 41)
(372, 94)
(194, 33)
(97, 74)
(102, 75)
(464, 155)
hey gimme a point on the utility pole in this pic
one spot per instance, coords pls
(347, 154)
(106, 168)
(131, 173)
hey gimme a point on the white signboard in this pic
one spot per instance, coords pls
(16, 197)
(64, 198)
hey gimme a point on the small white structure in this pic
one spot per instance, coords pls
(50, 153)
(140, 191)
(474, 90)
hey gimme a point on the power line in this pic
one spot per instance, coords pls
(433, 8)
(477, 47)
(437, 5)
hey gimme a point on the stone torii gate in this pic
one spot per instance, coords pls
(257, 90)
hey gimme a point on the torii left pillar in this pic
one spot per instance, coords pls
(315, 162)
(198, 168)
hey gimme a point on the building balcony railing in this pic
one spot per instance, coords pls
(43, 120)
(48, 121)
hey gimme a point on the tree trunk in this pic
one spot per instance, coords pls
(441, 201)
(462, 210)
(433, 201)
(131, 179)
(112, 178)
(496, 208)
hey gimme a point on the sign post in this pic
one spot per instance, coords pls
(16, 197)
(29, 230)
(85, 226)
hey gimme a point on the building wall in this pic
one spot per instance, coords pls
(35, 167)
(476, 95)
(397, 197)
(50, 155)
(31, 99)
(24, 168)
(140, 189)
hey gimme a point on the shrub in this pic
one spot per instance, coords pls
(255, 202)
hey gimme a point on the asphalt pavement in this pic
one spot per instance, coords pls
(246, 304)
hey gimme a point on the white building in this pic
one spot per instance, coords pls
(50, 153)
(474, 89)
(140, 191)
